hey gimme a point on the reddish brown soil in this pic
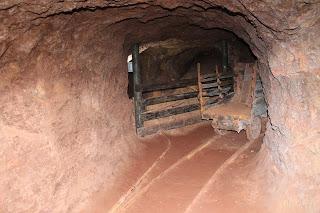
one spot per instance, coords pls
(235, 190)
(175, 190)
(106, 199)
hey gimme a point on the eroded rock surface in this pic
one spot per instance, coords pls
(66, 126)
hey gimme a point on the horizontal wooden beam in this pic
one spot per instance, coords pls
(215, 92)
(217, 100)
(167, 126)
(214, 77)
(170, 85)
(162, 99)
(168, 98)
(215, 84)
(169, 112)
(212, 101)
(182, 83)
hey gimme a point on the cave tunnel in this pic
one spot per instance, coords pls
(163, 79)
(69, 137)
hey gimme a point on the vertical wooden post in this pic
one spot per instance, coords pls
(200, 88)
(137, 86)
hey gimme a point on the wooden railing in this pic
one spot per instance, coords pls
(213, 85)
(210, 92)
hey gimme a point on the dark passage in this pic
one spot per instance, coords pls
(180, 79)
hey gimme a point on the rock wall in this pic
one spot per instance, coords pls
(64, 117)
(290, 156)
(171, 61)
(66, 126)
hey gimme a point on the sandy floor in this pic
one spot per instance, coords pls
(174, 168)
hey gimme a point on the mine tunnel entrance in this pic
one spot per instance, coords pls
(67, 128)
(176, 83)
(203, 91)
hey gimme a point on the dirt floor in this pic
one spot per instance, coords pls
(171, 173)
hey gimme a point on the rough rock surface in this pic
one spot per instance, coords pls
(63, 112)
(66, 125)
(173, 59)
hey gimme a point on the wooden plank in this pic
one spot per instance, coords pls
(180, 84)
(211, 101)
(170, 85)
(137, 86)
(215, 92)
(200, 87)
(214, 78)
(168, 98)
(172, 125)
(208, 75)
(216, 84)
(213, 74)
(169, 112)
(216, 101)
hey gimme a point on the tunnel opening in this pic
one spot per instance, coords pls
(67, 127)
(181, 82)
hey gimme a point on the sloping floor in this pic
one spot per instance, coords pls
(172, 172)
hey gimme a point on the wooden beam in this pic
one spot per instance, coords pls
(212, 101)
(169, 112)
(168, 98)
(170, 85)
(214, 77)
(182, 83)
(215, 101)
(200, 88)
(211, 92)
(177, 97)
(137, 86)
(172, 125)
(217, 84)
(215, 92)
